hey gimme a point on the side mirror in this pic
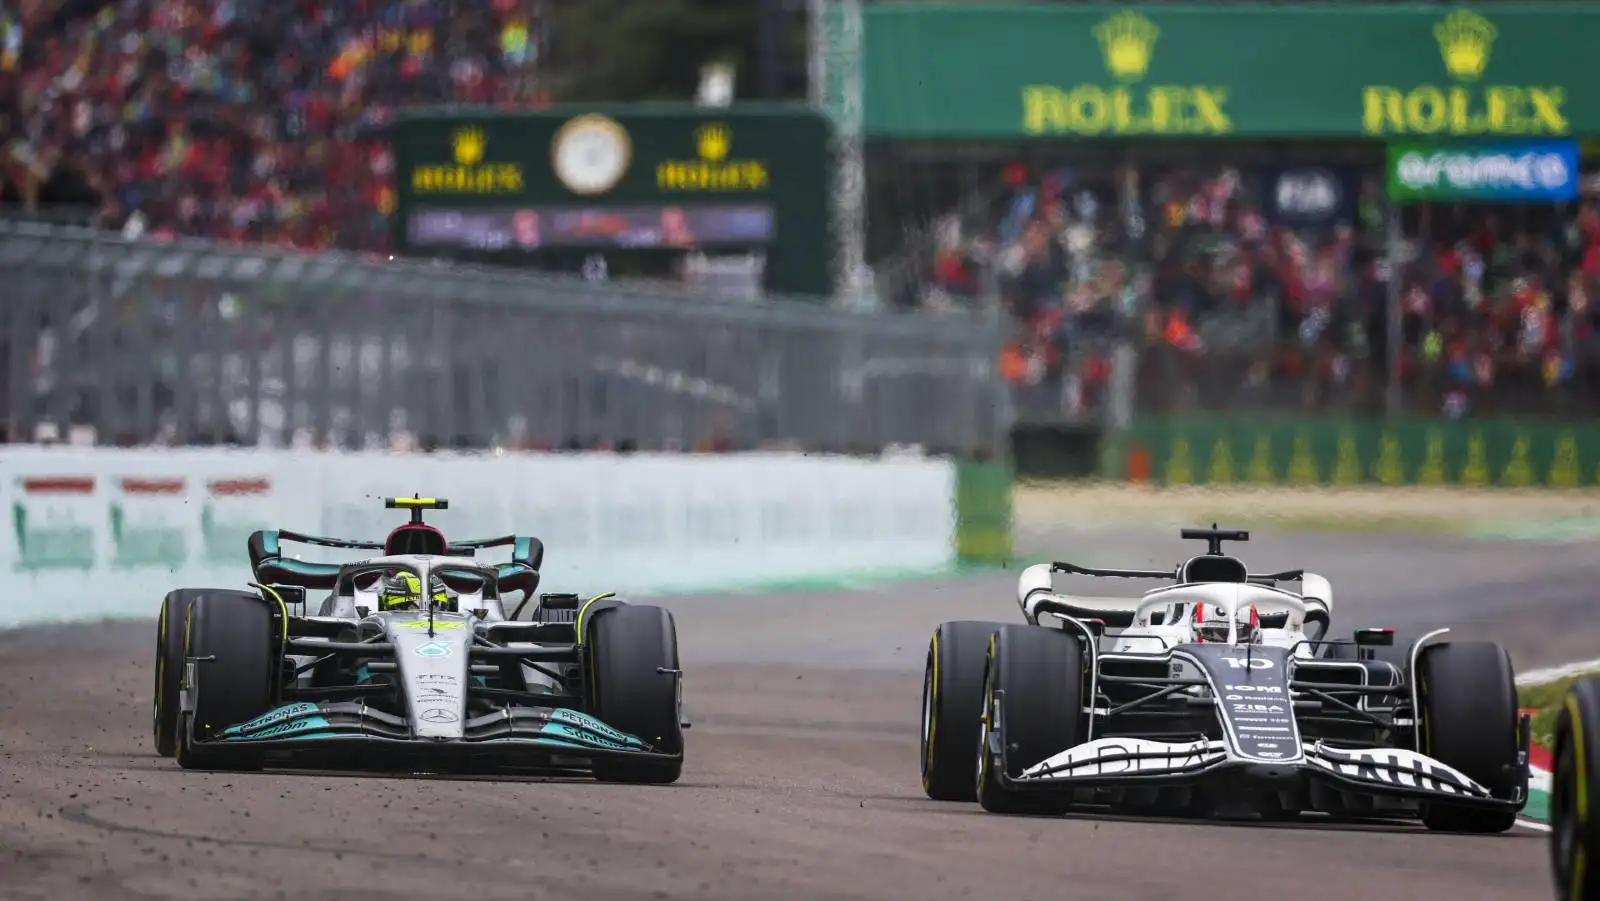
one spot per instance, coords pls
(1317, 623)
(1374, 638)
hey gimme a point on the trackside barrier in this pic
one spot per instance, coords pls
(103, 533)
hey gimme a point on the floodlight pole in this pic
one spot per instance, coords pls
(835, 38)
(1396, 247)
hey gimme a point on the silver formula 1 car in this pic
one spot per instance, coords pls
(412, 663)
(1217, 694)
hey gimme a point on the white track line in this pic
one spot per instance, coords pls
(1536, 827)
(1542, 676)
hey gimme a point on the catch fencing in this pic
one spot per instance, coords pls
(134, 342)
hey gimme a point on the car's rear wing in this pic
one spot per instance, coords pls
(527, 556)
(1288, 575)
(271, 567)
(1036, 594)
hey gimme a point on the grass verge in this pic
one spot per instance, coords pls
(1545, 699)
(1408, 509)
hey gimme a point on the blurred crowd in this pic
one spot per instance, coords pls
(240, 120)
(1233, 301)
(259, 121)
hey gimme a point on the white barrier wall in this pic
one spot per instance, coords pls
(106, 532)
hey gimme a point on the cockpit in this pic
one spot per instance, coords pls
(420, 583)
(1216, 624)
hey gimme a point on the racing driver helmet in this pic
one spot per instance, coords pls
(1212, 625)
(403, 591)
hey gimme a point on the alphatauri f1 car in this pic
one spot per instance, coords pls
(1218, 695)
(411, 663)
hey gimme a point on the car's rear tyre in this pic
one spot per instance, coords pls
(1574, 840)
(170, 625)
(952, 703)
(634, 686)
(236, 631)
(1040, 713)
(1468, 697)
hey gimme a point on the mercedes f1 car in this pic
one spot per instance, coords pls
(1218, 695)
(411, 662)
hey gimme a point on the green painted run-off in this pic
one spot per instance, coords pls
(983, 513)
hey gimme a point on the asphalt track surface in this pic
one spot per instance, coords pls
(801, 782)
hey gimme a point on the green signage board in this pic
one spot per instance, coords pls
(621, 177)
(1219, 451)
(983, 513)
(943, 70)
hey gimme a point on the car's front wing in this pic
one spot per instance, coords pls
(524, 737)
(1135, 762)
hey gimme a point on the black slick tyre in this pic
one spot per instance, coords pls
(170, 626)
(238, 631)
(1574, 840)
(169, 670)
(1468, 697)
(952, 703)
(1033, 696)
(634, 687)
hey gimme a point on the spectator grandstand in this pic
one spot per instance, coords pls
(1234, 308)
(241, 120)
(260, 121)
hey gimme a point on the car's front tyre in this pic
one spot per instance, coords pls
(952, 702)
(1033, 698)
(634, 687)
(233, 636)
(170, 625)
(1469, 714)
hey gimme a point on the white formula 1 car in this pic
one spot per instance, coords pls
(1216, 695)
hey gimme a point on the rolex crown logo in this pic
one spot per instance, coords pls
(1127, 39)
(713, 141)
(468, 144)
(1465, 39)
